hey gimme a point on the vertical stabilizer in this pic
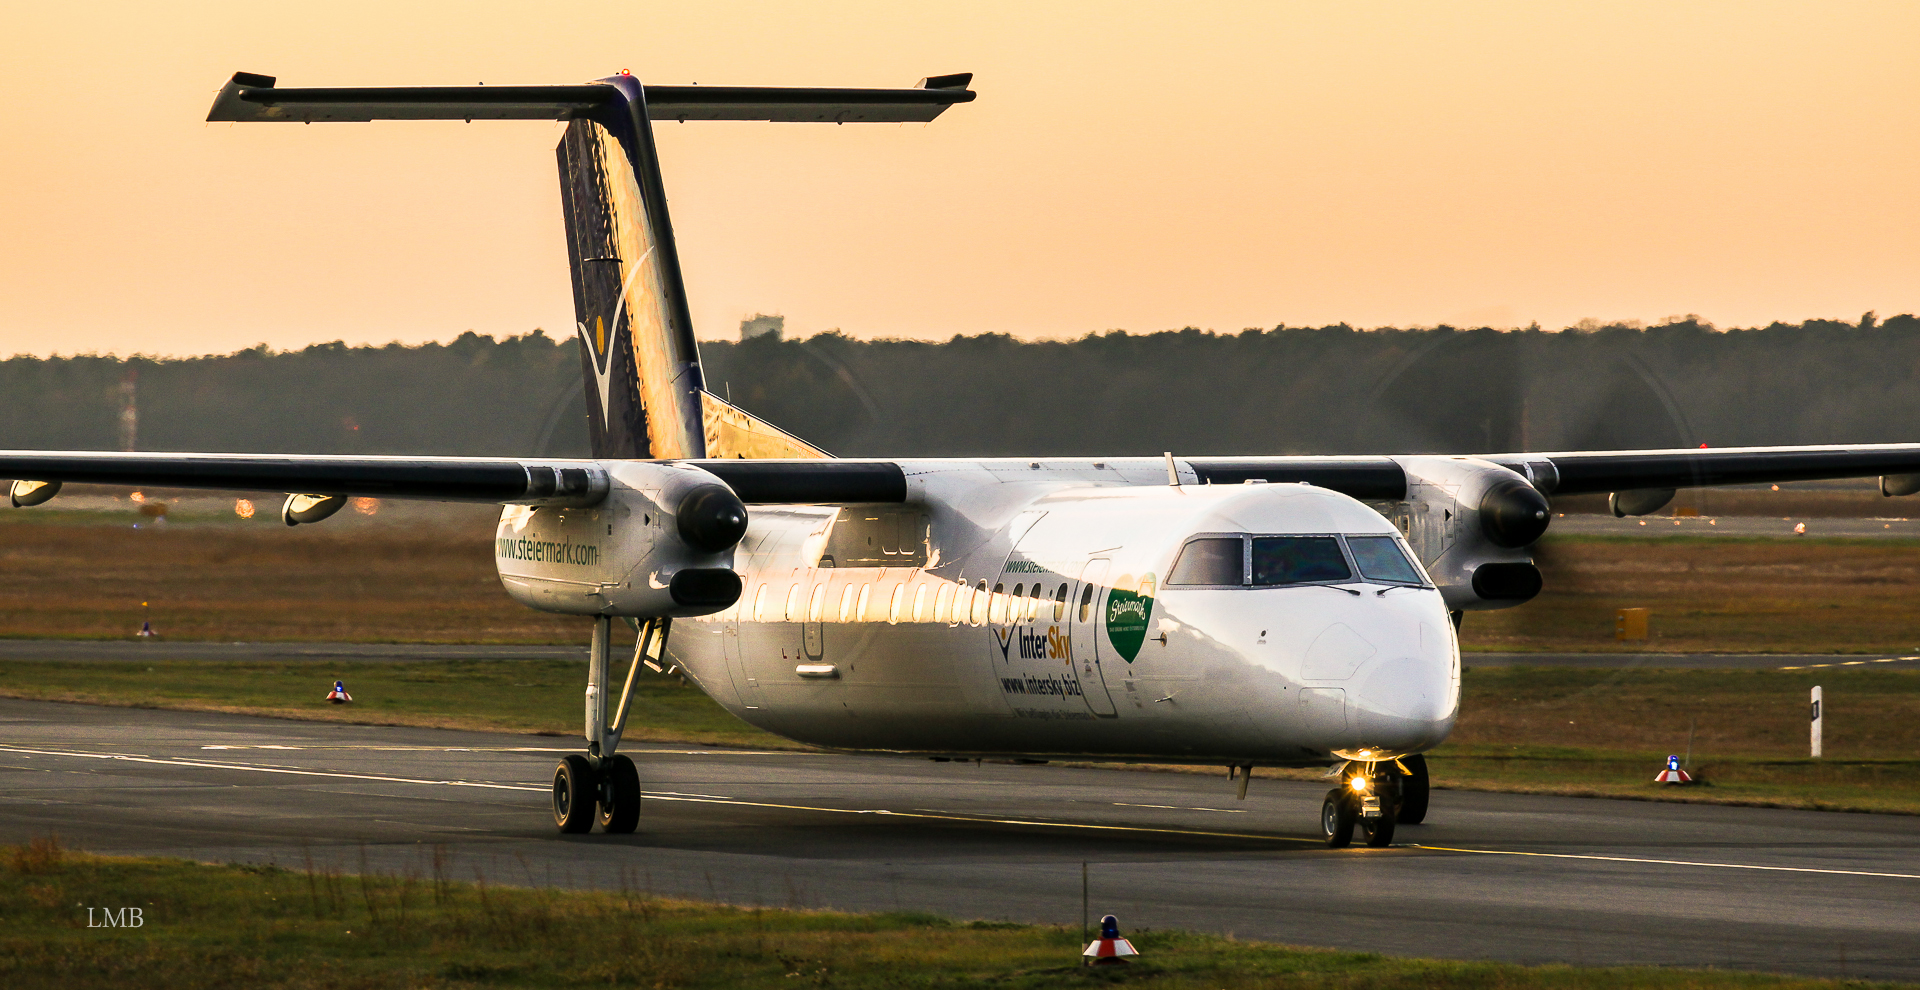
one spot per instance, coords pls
(641, 367)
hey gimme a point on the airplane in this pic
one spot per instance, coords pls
(1242, 612)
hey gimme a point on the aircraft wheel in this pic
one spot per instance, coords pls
(574, 789)
(1413, 791)
(619, 795)
(1337, 819)
(1379, 829)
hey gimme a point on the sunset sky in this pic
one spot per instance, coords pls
(1126, 165)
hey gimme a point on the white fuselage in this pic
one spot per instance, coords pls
(916, 627)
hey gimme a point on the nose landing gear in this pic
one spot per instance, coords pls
(604, 786)
(1368, 798)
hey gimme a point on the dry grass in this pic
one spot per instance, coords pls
(1715, 595)
(261, 581)
(316, 927)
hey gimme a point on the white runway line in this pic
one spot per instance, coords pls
(520, 749)
(1850, 663)
(941, 816)
(1671, 862)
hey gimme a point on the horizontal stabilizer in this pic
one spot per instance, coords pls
(248, 97)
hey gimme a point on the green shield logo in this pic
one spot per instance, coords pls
(1127, 614)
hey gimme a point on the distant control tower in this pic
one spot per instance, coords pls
(762, 325)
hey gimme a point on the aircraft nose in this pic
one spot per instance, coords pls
(1406, 704)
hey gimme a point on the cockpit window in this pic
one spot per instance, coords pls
(1381, 559)
(1211, 561)
(1298, 560)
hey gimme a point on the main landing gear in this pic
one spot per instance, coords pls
(603, 786)
(1374, 798)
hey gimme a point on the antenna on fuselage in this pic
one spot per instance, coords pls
(1173, 473)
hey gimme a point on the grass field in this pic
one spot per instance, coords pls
(208, 926)
(1549, 731)
(1715, 595)
(427, 582)
(430, 579)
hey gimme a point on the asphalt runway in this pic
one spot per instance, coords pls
(1513, 877)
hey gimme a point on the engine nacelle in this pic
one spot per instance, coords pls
(659, 544)
(1471, 520)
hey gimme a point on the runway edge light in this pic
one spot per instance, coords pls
(1673, 774)
(339, 695)
(1109, 949)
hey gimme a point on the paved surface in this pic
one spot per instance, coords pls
(1523, 878)
(123, 649)
(1694, 661)
(1748, 526)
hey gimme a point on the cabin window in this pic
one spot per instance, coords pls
(793, 600)
(919, 603)
(860, 613)
(846, 603)
(1017, 605)
(978, 612)
(1381, 559)
(1214, 560)
(1298, 560)
(942, 600)
(997, 605)
(760, 604)
(1086, 601)
(817, 605)
(1060, 604)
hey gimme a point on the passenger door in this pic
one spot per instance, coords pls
(1083, 634)
(813, 633)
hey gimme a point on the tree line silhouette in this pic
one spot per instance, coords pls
(1303, 390)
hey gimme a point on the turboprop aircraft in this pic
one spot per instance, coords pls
(1238, 611)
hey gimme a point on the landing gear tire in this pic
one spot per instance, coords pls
(619, 795)
(575, 792)
(1379, 830)
(1413, 790)
(1337, 816)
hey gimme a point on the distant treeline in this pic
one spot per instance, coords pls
(1286, 390)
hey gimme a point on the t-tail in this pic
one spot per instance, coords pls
(645, 394)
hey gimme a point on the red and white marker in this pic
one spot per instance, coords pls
(1673, 774)
(339, 695)
(1109, 949)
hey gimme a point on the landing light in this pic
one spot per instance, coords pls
(1359, 784)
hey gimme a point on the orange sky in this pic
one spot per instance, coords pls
(1130, 165)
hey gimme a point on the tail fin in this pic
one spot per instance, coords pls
(636, 341)
(644, 393)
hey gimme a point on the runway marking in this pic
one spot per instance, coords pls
(1175, 807)
(520, 749)
(1849, 663)
(1672, 862)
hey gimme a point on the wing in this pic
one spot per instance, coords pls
(1590, 472)
(447, 479)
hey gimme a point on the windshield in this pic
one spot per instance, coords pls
(1274, 561)
(1381, 559)
(1298, 560)
(1221, 560)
